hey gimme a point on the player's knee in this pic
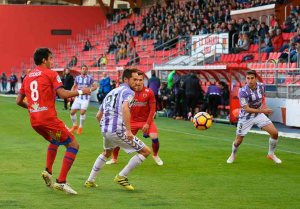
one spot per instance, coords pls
(145, 151)
(75, 145)
(274, 134)
(107, 153)
(238, 142)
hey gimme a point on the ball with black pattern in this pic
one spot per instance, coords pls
(202, 121)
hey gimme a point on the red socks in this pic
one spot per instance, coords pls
(51, 154)
(68, 160)
(155, 146)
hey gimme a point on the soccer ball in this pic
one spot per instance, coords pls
(202, 120)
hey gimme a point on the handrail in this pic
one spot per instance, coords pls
(289, 57)
(168, 41)
(285, 11)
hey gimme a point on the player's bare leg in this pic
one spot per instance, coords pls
(114, 158)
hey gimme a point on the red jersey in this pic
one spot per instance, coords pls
(40, 86)
(143, 109)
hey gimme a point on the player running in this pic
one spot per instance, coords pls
(142, 113)
(40, 87)
(253, 113)
(114, 116)
(82, 101)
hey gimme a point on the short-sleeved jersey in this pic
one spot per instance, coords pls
(84, 81)
(40, 86)
(252, 98)
(141, 108)
(112, 119)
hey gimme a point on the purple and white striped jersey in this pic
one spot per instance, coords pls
(252, 98)
(112, 119)
(84, 81)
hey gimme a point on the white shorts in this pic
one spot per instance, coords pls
(112, 140)
(80, 104)
(244, 125)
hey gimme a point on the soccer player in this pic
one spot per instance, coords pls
(82, 101)
(142, 113)
(40, 87)
(253, 113)
(114, 117)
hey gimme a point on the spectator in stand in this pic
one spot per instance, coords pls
(245, 44)
(296, 38)
(73, 62)
(112, 47)
(131, 47)
(267, 44)
(87, 45)
(227, 17)
(4, 82)
(277, 40)
(296, 56)
(98, 63)
(13, 81)
(122, 52)
(253, 35)
(272, 21)
(154, 85)
(288, 25)
(288, 53)
(262, 30)
(102, 61)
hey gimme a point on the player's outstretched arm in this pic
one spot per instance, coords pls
(62, 93)
(20, 101)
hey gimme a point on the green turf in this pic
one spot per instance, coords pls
(194, 174)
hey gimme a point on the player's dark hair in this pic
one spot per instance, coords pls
(82, 66)
(251, 72)
(140, 73)
(127, 73)
(40, 54)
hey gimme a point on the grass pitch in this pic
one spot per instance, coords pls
(194, 174)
